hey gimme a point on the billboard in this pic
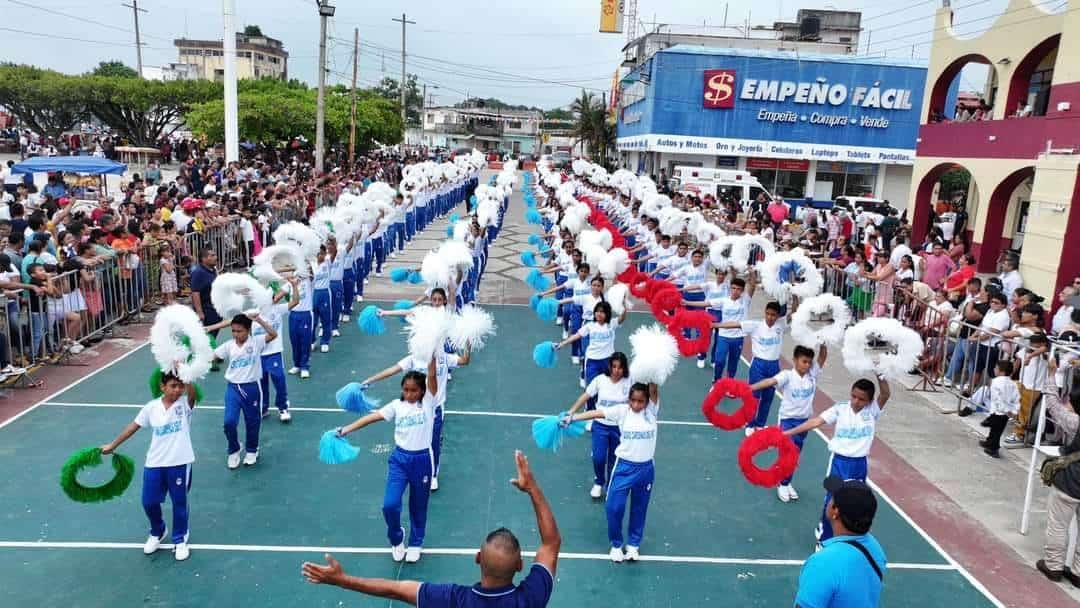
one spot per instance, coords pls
(611, 16)
(778, 105)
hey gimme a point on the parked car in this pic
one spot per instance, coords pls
(871, 205)
(561, 160)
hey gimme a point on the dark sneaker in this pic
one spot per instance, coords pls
(1072, 578)
(992, 453)
(1054, 575)
(966, 411)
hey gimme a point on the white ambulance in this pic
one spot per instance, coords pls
(721, 183)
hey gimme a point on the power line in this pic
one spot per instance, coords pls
(81, 19)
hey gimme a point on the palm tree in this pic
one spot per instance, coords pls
(592, 126)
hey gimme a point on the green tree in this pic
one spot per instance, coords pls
(558, 114)
(42, 100)
(144, 110)
(114, 69)
(390, 89)
(252, 30)
(953, 182)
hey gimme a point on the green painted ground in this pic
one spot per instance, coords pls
(701, 506)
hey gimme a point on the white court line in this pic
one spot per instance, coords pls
(69, 386)
(681, 559)
(952, 563)
(339, 410)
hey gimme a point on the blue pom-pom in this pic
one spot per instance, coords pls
(528, 258)
(547, 309)
(549, 434)
(534, 301)
(534, 239)
(533, 276)
(415, 277)
(530, 202)
(542, 284)
(544, 248)
(532, 216)
(544, 355)
(403, 305)
(370, 322)
(353, 398)
(399, 275)
(454, 217)
(450, 231)
(336, 450)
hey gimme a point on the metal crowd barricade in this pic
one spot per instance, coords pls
(226, 240)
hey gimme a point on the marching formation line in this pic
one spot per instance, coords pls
(469, 552)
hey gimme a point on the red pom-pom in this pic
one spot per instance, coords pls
(656, 286)
(698, 322)
(632, 275)
(730, 387)
(639, 287)
(786, 461)
(665, 303)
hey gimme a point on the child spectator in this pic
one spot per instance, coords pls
(168, 274)
(1004, 402)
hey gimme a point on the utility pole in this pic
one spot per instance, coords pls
(134, 6)
(404, 21)
(325, 12)
(355, 68)
(228, 45)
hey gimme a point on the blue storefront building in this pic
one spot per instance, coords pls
(816, 126)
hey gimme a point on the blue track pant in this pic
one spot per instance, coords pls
(594, 368)
(407, 469)
(300, 328)
(322, 300)
(727, 357)
(633, 481)
(790, 423)
(436, 438)
(759, 370)
(246, 399)
(845, 468)
(174, 481)
(348, 290)
(274, 371)
(605, 438)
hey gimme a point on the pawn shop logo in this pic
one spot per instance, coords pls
(719, 89)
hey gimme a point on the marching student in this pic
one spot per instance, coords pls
(412, 463)
(168, 460)
(606, 390)
(348, 279)
(337, 285)
(600, 333)
(242, 392)
(855, 423)
(322, 301)
(273, 365)
(798, 386)
(301, 325)
(714, 293)
(670, 264)
(633, 474)
(585, 295)
(692, 279)
(729, 342)
(766, 340)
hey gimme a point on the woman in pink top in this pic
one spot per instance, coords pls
(885, 276)
(956, 249)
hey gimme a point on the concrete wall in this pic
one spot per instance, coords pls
(1052, 225)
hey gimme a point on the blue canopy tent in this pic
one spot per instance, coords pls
(89, 165)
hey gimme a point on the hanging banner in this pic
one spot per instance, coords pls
(611, 16)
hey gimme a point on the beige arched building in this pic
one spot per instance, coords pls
(1024, 157)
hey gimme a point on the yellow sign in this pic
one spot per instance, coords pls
(546, 138)
(611, 16)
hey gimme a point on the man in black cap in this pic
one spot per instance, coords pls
(849, 569)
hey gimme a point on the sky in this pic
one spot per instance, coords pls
(531, 53)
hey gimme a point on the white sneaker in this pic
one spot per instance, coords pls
(565, 334)
(325, 348)
(77, 348)
(336, 334)
(378, 273)
(434, 484)
(947, 383)
(393, 255)
(312, 348)
(581, 382)
(294, 370)
(700, 364)
(234, 460)
(366, 281)
(412, 555)
(782, 493)
(632, 554)
(558, 320)
(182, 552)
(749, 431)
(285, 416)
(398, 552)
(153, 543)
(305, 374)
(616, 555)
(251, 458)
(596, 491)
(345, 318)
(359, 299)
(792, 494)
(588, 426)
(575, 360)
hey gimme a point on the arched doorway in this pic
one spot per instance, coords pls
(951, 91)
(1029, 87)
(992, 243)
(926, 204)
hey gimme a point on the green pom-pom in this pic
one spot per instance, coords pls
(155, 382)
(123, 466)
(213, 341)
(198, 394)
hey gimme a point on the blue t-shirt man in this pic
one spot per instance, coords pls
(202, 278)
(533, 592)
(848, 571)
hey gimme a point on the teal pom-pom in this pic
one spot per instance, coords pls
(528, 258)
(544, 355)
(532, 216)
(403, 305)
(534, 301)
(415, 277)
(547, 309)
(450, 231)
(353, 398)
(399, 275)
(548, 433)
(454, 218)
(530, 201)
(534, 239)
(370, 322)
(336, 450)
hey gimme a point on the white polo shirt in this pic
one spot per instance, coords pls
(321, 280)
(608, 393)
(601, 339)
(797, 392)
(170, 443)
(637, 439)
(766, 342)
(588, 303)
(274, 317)
(733, 310)
(413, 422)
(854, 432)
(245, 362)
(444, 362)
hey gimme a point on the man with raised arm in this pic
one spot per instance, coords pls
(499, 559)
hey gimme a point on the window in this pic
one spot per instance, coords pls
(513, 124)
(260, 57)
(1039, 91)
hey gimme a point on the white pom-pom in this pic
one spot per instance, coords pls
(809, 282)
(170, 325)
(470, 328)
(826, 304)
(265, 274)
(613, 263)
(655, 354)
(426, 328)
(740, 253)
(618, 295)
(903, 346)
(234, 293)
(300, 236)
(435, 271)
(462, 229)
(285, 258)
(456, 254)
(707, 233)
(720, 252)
